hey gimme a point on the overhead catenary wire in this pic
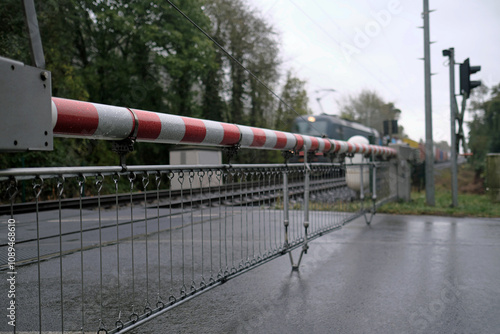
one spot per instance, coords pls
(263, 84)
(340, 29)
(337, 42)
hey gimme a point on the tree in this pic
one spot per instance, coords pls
(484, 129)
(145, 55)
(294, 95)
(252, 42)
(264, 64)
(131, 53)
(369, 109)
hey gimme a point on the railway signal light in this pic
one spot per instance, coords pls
(466, 84)
(390, 127)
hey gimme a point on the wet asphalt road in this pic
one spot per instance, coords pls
(403, 274)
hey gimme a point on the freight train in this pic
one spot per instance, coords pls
(418, 166)
(439, 155)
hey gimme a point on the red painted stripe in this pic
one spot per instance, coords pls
(149, 124)
(350, 148)
(314, 144)
(195, 130)
(300, 142)
(280, 139)
(259, 137)
(328, 145)
(231, 134)
(75, 117)
(337, 146)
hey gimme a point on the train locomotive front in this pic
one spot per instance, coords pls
(333, 127)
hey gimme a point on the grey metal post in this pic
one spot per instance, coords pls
(453, 117)
(286, 217)
(373, 168)
(398, 177)
(460, 123)
(429, 156)
(361, 187)
(305, 246)
(37, 56)
(306, 192)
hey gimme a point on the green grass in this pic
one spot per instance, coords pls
(469, 205)
(472, 201)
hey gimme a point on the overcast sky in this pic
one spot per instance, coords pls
(357, 44)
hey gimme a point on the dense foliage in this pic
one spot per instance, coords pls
(484, 133)
(146, 55)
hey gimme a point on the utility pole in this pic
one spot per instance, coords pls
(453, 117)
(429, 154)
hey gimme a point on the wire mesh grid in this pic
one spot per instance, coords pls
(158, 236)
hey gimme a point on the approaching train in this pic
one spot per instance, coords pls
(333, 127)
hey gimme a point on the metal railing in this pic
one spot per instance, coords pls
(105, 249)
(183, 231)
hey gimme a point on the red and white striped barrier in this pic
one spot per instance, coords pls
(92, 120)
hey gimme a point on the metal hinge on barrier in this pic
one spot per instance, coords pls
(287, 155)
(122, 148)
(125, 146)
(231, 152)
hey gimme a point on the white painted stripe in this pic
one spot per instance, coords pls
(246, 135)
(307, 142)
(291, 141)
(114, 122)
(271, 139)
(54, 114)
(343, 146)
(333, 145)
(172, 128)
(321, 145)
(215, 133)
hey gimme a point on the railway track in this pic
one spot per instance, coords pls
(251, 191)
(248, 194)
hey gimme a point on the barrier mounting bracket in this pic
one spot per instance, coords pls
(26, 107)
